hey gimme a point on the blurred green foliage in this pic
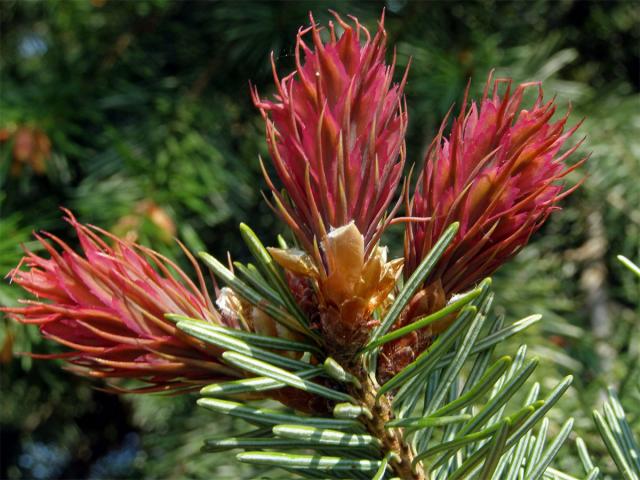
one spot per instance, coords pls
(136, 115)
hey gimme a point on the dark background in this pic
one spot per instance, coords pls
(137, 116)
